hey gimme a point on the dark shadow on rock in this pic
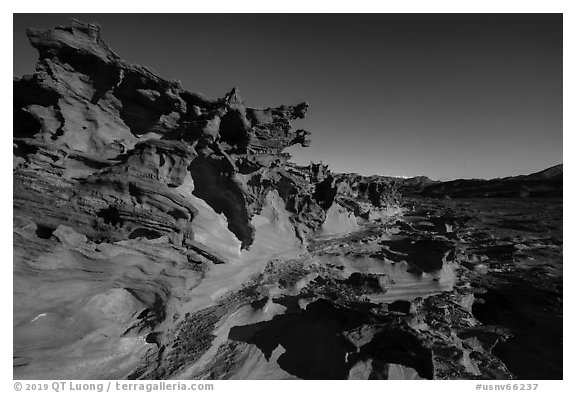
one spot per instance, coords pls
(213, 184)
(315, 346)
(424, 255)
(498, 252)
(397, 346)
(532, 316)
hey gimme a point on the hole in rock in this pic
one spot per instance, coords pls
(142, 112)
(179, 214)
(44, 232)
(111, 215)
(233, 132)
(145, 232)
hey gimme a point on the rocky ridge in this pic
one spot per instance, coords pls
(161, 234)
(112, 160)
(118, 130)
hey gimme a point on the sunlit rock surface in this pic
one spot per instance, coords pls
(161, 234)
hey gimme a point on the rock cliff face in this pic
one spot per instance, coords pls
(129, 190)
(129, 137)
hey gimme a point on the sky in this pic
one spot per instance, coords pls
(442, 95)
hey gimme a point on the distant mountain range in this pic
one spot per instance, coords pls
(546, 183)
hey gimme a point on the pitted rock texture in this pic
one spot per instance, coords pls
(90, 117)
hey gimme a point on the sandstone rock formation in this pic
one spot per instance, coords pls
(161, 234)
(128, 187)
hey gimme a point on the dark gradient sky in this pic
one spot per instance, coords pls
(447, 96)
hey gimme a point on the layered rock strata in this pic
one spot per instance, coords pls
(160, 234)
(130, 191)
